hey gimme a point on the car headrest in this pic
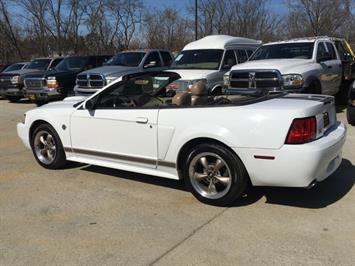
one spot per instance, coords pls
(199, 88)
(181, 99)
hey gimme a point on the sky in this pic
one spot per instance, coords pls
(279, 6)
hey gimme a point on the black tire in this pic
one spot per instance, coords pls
(40, 103)
(238, 182)
(351, 119)
(314, 88)
(14, 99)
(59, 160)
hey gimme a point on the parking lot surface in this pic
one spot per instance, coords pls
(94, 216)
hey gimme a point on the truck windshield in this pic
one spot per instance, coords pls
(130, 59)
(40, 64)
(14, 67)
(284, 51)
(198, 59)
(74, 64)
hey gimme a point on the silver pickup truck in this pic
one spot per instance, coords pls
(90, 81)
(309, 65)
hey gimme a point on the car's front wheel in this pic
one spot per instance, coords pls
(215, 175)
(47, 147)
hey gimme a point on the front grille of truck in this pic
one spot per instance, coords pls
(252, 79)
(88, 81)
(35, 83)
(5, 81)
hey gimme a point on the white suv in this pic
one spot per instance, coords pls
(209, 58)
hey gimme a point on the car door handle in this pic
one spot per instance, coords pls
(142, 120)
(330, 67)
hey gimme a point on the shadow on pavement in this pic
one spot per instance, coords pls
(153, 180)
(323, 194)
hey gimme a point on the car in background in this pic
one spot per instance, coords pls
(306, 65)
(351, 105)
(58, 83)
(3, 67)
(280, 139)
(208, 59)
(90, 81)
(12, 82)
(16, 66)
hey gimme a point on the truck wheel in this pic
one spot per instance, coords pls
(215, 175)
(14, 99)
(47, 147)
(314, 88)
(351, 119)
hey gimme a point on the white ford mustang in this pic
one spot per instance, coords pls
(218, 145)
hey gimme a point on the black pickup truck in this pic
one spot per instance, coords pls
(58, 83)
(11, 82)
(351, 105)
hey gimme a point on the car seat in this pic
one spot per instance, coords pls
(199, 94)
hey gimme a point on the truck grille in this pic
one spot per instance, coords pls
(5, 81)
(35, 83)
(268, 79)
(87, 81)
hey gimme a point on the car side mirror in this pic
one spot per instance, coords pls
(90, 104)
(347, 57)
(150, 64)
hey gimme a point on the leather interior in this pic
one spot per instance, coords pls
(199, 94)
(182, 99)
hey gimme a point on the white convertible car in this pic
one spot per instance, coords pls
(218, 144)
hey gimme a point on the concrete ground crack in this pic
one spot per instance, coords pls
(188, 236)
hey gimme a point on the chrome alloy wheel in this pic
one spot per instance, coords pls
(210, 175)
(44, 146)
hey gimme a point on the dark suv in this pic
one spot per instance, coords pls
(11, 82)
(58, 83)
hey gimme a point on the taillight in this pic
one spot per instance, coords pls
(302, 130)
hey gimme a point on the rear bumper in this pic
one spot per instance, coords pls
(44, 94)
(23, 133)
(296, 165)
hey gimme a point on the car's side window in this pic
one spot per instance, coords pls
(229, 59)
(323, 53)
(152, 60)
(167, 59)
(249, 52)
(134, 93)
(55, 62)
(331, 51)
(242, 56)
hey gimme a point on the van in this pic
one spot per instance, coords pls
(208, 59)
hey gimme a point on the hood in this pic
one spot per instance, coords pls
(285, 66)
(192, 74)
(67, 103)
(22, 72)
(115, 71)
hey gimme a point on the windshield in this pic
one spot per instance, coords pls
(40, 64)
(72, 64)
(130, 59)
(14, 67)
(198, 59)
(284, 51)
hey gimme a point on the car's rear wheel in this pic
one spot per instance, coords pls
(47, 147)
(14, 99)
(215, 175)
